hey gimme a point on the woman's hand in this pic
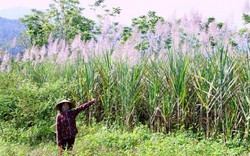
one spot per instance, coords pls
(92, 101)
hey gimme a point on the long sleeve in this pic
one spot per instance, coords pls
(58, 131)
(83, 106)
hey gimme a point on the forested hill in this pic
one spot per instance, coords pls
(9, 30)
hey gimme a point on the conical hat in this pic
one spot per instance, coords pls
(59, 105)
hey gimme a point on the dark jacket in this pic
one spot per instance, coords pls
(66, 123)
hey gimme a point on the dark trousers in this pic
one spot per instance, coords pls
(67, 144)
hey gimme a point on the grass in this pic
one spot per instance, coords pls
(167, 95)
(100, 140)
(201, 92)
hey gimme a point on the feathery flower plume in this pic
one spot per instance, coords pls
(18, 57)
(63, 53)
(26, 55)
(51, 38)
(184, 35)
(242, 42)
(184, 22)
(213, 31)
(43, 53)
(159, 27)
(153, 46)
(196, 19)
(185, 46)
(225, 35)
(73, 56)
(76, 42)
(6, 62)
(53, 49)
(175, 35)
(105, 26)
(34, 54)
(204, 38)
(117, 34)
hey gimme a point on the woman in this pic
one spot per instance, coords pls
(66, 123)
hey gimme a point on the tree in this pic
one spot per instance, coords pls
(38, 27)
(63, 20)
(68, 19)
(147, 22)
(246, 18)
(209, 20)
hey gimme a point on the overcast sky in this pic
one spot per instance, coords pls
(223, 10)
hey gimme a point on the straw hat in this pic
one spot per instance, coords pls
(59, 105)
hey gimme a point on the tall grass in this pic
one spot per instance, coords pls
(199, 81)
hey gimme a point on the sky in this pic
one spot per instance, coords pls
(229, 11)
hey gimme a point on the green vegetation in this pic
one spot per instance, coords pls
(63, 20)
(246, 18)
(179, 87)
(206, 96)
(100, 140)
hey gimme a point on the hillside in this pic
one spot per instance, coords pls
(9, 30)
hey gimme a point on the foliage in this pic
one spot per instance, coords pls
(147, 22)
(63, 20)
(127, 32)
(128, 95)
(38, 27)
(169, 76)
(246, 18)
(100, 140)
